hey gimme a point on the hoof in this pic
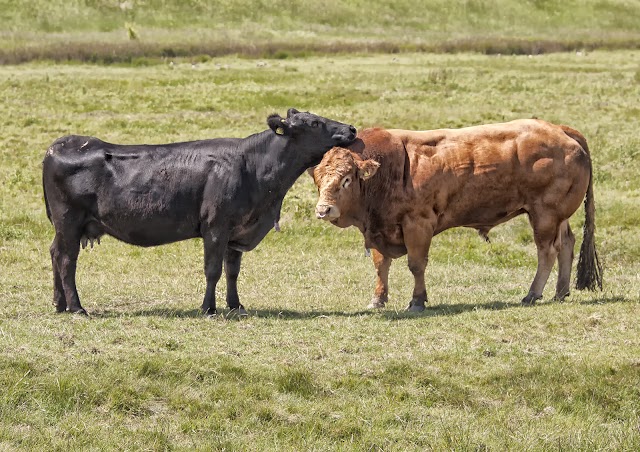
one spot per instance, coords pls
(530, 299)
(376, 303)
(237, 312)
(209, 312)
(560, 298)
(417, 303)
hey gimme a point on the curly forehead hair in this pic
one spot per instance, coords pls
(337, 162)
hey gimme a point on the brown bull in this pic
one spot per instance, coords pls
(402, 187)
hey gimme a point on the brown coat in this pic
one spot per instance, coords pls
(402, 187)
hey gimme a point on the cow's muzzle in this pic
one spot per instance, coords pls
(345, 136)
(327, 212)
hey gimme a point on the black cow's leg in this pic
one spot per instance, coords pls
(214, 249)
(59, 300)
(232, 260)
(64, 254)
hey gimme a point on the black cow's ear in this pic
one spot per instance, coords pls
(291, 112)
(310, 172)
(277, 124)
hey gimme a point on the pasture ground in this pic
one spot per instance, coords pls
(310, 368)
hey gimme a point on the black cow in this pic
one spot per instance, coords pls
(227, 190)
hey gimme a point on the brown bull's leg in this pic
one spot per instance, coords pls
(64, 255)
(381, 292)
(565, 261)
(546, 233)
(232, 260)
(417, 238)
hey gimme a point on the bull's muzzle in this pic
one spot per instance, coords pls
(327, 212)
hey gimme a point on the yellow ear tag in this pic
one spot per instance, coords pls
(280, 131)
(365, 175)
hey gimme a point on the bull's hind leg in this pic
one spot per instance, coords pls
(417, 238)
(64, 257)
(232, 260)
(381, 292)
(546, 234)
(565, 260)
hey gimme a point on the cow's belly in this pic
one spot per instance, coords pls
(153, 232)
(250, 233)
(246, 239)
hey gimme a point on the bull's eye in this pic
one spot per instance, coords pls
(345, 182)
(314, 124)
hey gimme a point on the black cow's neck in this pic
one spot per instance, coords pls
(274, 161)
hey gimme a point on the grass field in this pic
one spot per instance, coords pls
(310, 368)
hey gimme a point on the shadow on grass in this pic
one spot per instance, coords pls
(607, 300)
(439, 310)
(288, 314)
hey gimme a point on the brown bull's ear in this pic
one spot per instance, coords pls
(279, 125)
(367, 168)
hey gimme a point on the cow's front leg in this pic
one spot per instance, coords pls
(232, 260)
(417, 238)
(381, 292)
(214, 250)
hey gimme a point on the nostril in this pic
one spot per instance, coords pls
(322, 211)
(353, 129)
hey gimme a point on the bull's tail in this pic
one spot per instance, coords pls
(589, 269)
(589, 272)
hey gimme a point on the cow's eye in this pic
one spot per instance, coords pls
(346, 181)
(314, 124)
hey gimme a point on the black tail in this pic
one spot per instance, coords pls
(44, 190)
(589, 273)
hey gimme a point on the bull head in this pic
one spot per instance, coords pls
(338, 178)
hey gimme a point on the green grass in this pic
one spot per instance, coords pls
(311, 369)
(139, 32)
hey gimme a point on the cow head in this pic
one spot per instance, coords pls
(313, 134)
(339, 177)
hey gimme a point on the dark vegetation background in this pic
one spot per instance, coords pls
(125, 31)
